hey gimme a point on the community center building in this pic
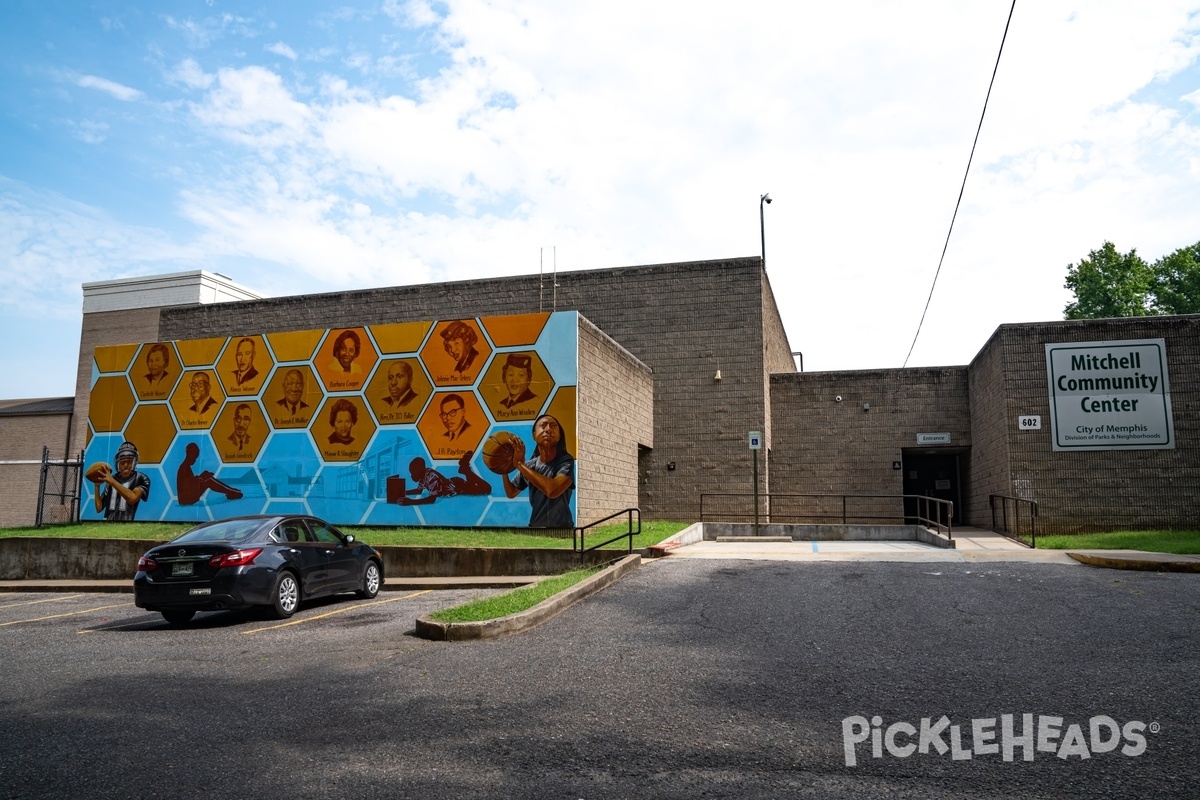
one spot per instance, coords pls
(674, 385)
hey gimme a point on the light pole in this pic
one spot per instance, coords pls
(762, 227)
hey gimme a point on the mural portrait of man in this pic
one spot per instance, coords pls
(400, 391)
(292, 401)
(201, 389)
(244, 356)
(240, 438)
(454, 417)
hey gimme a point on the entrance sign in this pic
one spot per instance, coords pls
(1110, 395)
(933, 438)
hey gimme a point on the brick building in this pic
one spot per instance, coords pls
(680, 361)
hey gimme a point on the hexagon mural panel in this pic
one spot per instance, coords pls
(110, 404)
(453, 424)
(196, 400)
(398, 391)
(244, 366)
(152, 430)
(456, 352)
(295, 345)
(292, 396)
(345, 359)
(239, 431)
(516, 385)
(341, 428)
(384, 424)
(155, 371)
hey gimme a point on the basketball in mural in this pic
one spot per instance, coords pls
(499, 452)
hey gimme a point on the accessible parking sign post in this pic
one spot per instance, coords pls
(755, 446)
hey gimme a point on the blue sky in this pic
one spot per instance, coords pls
(303, 147)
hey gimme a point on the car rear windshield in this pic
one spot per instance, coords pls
(233, 530)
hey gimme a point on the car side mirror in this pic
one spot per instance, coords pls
(350, 538)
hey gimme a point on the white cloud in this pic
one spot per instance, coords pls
(281, 49)
(113, 88)
(635, 133)
(190, 74)
(252, 106)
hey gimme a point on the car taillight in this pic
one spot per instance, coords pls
(239, 558)
(147, 564)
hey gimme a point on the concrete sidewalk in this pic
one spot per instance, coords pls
(971, 545)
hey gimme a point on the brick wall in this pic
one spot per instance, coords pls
(106, 328)
(685, 321)
(990, 473)
(21, 440)
(616, 416)
(822, 445)
(1112, 489)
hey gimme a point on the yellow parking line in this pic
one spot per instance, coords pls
(57, 616)
(336, 611)
(47, 600)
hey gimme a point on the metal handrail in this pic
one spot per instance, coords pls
(1016, 501)
(931, 510)
(579, 534)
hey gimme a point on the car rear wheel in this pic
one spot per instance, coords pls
(371, 581)
(286, 596)
(178, 616)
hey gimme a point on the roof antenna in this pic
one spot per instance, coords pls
(541, 272)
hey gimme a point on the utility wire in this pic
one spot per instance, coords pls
(964, 185)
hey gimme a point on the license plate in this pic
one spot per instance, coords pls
(200, 591)
(184, 568)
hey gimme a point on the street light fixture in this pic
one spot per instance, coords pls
(762, 227)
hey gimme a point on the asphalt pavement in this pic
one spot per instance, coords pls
(690, 677)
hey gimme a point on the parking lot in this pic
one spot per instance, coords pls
(689, 677)
(94, 625)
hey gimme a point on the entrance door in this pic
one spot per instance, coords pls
(931, 475)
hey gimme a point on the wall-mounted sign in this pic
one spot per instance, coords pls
(1110, 395)
(1029, 422)
(933, 438)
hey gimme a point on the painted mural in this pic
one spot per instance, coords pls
(457, 422)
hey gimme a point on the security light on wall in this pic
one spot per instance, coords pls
(866, 406)
(717, 377)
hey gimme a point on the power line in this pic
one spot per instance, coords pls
(964, 185)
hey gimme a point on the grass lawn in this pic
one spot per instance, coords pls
(1185, 542)
(511, 602)
(653, 532)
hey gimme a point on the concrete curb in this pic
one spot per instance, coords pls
(523, 620)
(1137, 559)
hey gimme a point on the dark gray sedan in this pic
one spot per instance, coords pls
(271, 561)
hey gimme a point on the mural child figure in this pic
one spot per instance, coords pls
(118, 495)
(436, 485)
(549, 475)
(190, 487)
